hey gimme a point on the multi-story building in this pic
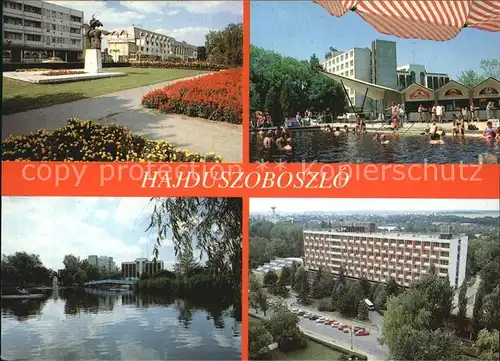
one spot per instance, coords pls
(379, 256)
(354, 63)
(414, 73)
(378, 65)
(134, 43)
(134, 270)
(102, 262)
(35, 30)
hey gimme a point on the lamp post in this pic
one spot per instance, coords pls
(351, 337)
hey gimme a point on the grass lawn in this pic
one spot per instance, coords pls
(313, 351)
(20, 96)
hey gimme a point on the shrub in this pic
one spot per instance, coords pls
(62, 72)
(179, 64)
(215, 96)
(83, 140)
(326, 305)
(32, 69)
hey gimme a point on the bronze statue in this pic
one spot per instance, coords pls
(93, 34)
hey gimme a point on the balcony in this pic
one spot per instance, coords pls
(14, 41)
(33, 15)
(33, 43)
(9, 26)
(408, 254)
(10, 11)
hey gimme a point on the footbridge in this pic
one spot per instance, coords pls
(110, 283)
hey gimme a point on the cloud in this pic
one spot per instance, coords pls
(54, 227)
(109, 16)
(191, 35)
(209, 7)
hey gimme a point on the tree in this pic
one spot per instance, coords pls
(470, 78)
(225, 47)
(212, 225)
(414, 344)
(285, 330)
(476, 311)
(270, 278)
(491, 68)
(257, 297)
(185, 263)
(286, 275)
(316, 290)
(488, 345)
(462, 309)
(259, 338)
(362, 311)
(392, 287)
(273, 105)
(302, 286)
(314, 62)
(381, 299)
(491, 310)
(201, 53)
(365, 285)
(293, 272)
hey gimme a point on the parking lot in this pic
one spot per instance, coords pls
(365, 344)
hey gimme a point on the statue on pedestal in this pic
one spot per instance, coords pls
(93, 34)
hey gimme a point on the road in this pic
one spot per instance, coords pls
(364, 344)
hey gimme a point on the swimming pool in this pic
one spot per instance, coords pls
(323, 147)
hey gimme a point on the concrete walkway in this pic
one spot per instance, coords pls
(124, 107)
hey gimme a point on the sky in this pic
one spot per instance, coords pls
(301, 205)
(53, 227)
(301, 28)
(184, 20)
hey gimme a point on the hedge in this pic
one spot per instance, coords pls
(192, 65)
(84, 140)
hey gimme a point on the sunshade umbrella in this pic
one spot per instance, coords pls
(429, 20)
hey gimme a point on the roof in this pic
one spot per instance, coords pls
(376, 92)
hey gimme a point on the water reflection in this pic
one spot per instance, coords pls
(316, 145)
(108, 325)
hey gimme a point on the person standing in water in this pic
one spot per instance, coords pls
(473, 115)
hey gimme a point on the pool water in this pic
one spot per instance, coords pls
(319, 146)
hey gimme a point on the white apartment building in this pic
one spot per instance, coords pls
(102, 262)
(134, 270)
(379, 256)
(35, 30)
(133, 43)
(414, 73)
(354, 63)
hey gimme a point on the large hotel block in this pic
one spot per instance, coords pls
(379, 256)
(134, 270)
(37, 30)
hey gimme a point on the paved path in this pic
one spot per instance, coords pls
(124, 107)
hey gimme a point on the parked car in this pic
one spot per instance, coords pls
(328, 322)
(301, 313)
(314, 317)
(357, 328)
(321, 320)
(336, 324)
(362, 333)
(346, 330)
(341, 327)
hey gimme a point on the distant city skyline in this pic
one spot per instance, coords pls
(303, 205)
(300, 28)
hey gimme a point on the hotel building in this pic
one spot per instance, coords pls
(133, 43)
(102, 262)
(378, 65)
(37, 30)
(134, 270)
(381, 255)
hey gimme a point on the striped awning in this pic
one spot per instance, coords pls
(429, 20)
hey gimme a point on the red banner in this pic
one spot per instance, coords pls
(256, 180)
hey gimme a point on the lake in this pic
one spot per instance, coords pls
(319, 146)
(105, 325)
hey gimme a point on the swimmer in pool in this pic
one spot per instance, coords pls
(337, 133)
(269, 141)
(288, 147)
(381, 138)
(489, 132)
(345, 129)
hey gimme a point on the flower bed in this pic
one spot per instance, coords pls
(179, 64)
(215, 97)
(27, 70)
(83, 140)
(62, 72)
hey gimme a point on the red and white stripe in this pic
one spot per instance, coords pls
(421, 19)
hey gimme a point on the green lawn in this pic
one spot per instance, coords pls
(313, 351)
(19, 96)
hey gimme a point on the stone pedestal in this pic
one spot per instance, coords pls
(93, 61)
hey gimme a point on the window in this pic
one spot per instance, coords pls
(351, 63)
(13, 36)
(445, 254)
(31, 37)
